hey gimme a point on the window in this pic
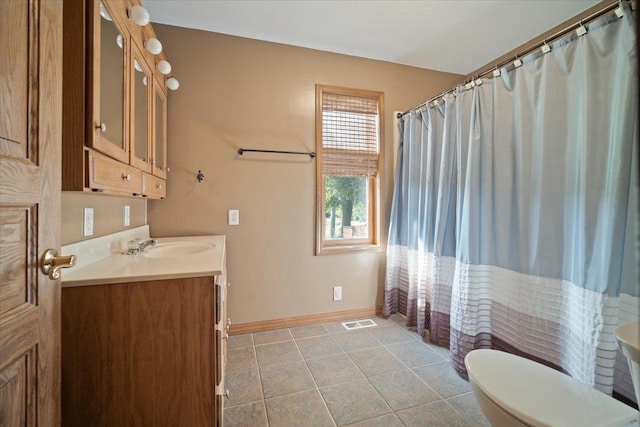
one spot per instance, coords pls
(349, 133)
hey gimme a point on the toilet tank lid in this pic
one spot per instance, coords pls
(542, 396)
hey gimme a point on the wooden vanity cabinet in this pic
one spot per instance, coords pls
(144, 353)
(110, 86)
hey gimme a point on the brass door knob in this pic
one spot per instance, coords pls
(51, 263)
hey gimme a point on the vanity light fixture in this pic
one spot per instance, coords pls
(164, 67)
(153, 46)
(172, 83)
(140, 15)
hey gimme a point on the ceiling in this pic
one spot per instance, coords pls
(457, 36)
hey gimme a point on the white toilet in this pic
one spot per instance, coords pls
(514, 391)
(628, 337)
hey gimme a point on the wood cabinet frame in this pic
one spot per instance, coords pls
(95, 138)
(81, 97)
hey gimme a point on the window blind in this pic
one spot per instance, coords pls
(350, 135)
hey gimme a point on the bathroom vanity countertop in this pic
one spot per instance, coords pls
(104, 262)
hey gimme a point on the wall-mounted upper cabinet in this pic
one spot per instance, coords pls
(114, 101)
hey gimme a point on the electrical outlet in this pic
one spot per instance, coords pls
(88, 222)
(337, 293)
(234, 217)
(127, 215)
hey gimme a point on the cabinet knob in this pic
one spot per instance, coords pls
(126, 177)
(102, 127)
(159, 186)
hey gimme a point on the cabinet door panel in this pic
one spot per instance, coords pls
(159, 132)
(139, 353)
(109, 51)
(141, 82)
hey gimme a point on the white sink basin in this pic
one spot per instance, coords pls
(177, 249)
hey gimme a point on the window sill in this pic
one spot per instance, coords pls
(341, 249)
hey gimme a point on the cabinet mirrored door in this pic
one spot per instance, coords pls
(160, 131)
(140, 112)
(109, 83)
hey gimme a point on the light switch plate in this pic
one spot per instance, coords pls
(127, 215)
(234, 217)
(88, 222)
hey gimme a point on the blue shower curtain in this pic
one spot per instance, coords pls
(514, 211)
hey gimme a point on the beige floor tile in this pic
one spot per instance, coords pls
(239, 341)
(337, 327)
(240, 359)
(415, 353)
(250, 414)
(308, 331)
(438, 414)
(356, 340)
(376, 361)
(443, 379)
(285, 379)
(244, 386)
(468, 406)
(392, 334)
(305, 409)
(353, 401)
(403, 389)
(278, 353)
(389, 420)
(334, 370)
(269, 337)
(313, 348)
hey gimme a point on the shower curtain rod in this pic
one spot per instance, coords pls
(538, 45)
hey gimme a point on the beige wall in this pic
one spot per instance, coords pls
(235, 93)
(108, 212)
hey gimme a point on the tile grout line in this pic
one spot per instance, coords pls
(367, 378)
(264, 401)
(380, 345)
(313, 378)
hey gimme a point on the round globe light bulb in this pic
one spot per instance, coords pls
(164, 67)
(140, 15)
(104, 13)
(153, 46)
(172, 83)
(119, 41)
(136, 65)
(144, 80)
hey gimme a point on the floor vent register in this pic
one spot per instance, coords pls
(358, 324)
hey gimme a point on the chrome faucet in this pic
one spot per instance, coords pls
(138, 245)
(145, 244)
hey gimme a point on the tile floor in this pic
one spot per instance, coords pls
(323, 375)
